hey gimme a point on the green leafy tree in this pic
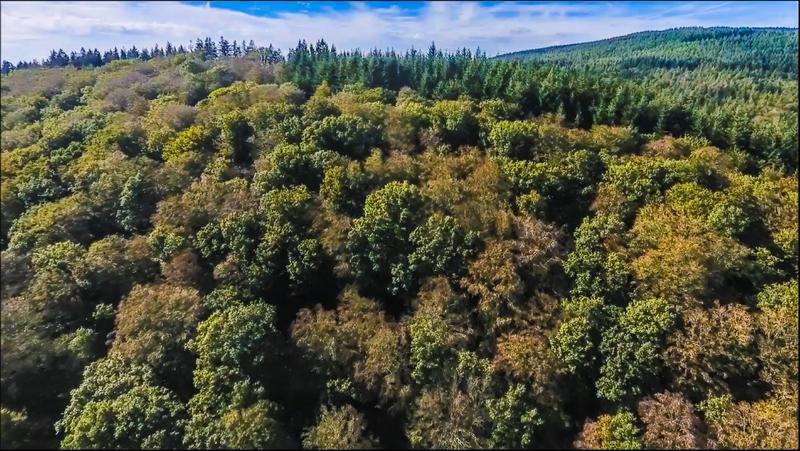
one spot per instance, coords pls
(346, 134)
(575, 342)
(135, 204)
(441, 247)
(776, 337)
(610, 432)
(379, 241)
(118, 406)
(514, 420)
(455, 121)
(514, 139)
(338, 428)
(632, 348)
(13, 428)
(437, 330)
(345, 187)
(596, 264)
(238, 355)
(288, 165)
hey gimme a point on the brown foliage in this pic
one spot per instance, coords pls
(714, 345)
(155, 322)
(670, 422)
(355, 341)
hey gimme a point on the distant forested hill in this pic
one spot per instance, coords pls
(749, 49)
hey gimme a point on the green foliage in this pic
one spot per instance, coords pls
(135, 204)
(346, 134)
(165, 243)
(73, 126)
(575, 341)
(642, 180)
(269, 247)
(514, 139)
(344, 188)
(563, 175)
(379, 241)
(118, 406)
(234, 135)
(632, 348)
(235, 347)
(277, 122)
(458, 251)
(514, 421)
(441, 247)
(597, 269)
(65, 219)
(194, 139)
(436, 330)
(611, 432)
(289, 165)
(779, 296)
(338, 428)
(454, 121)
(12, 428)
(777, 332)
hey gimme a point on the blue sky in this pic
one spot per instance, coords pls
(29, 29)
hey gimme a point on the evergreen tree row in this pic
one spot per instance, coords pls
(94, 58)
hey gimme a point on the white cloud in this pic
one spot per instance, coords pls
(30, 30)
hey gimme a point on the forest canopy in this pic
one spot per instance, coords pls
(224, 247)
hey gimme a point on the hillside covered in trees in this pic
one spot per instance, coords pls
(748, 50)
(593, 246)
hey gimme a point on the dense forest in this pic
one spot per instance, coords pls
(222, 246)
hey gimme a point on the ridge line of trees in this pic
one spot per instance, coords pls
(86, 58)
